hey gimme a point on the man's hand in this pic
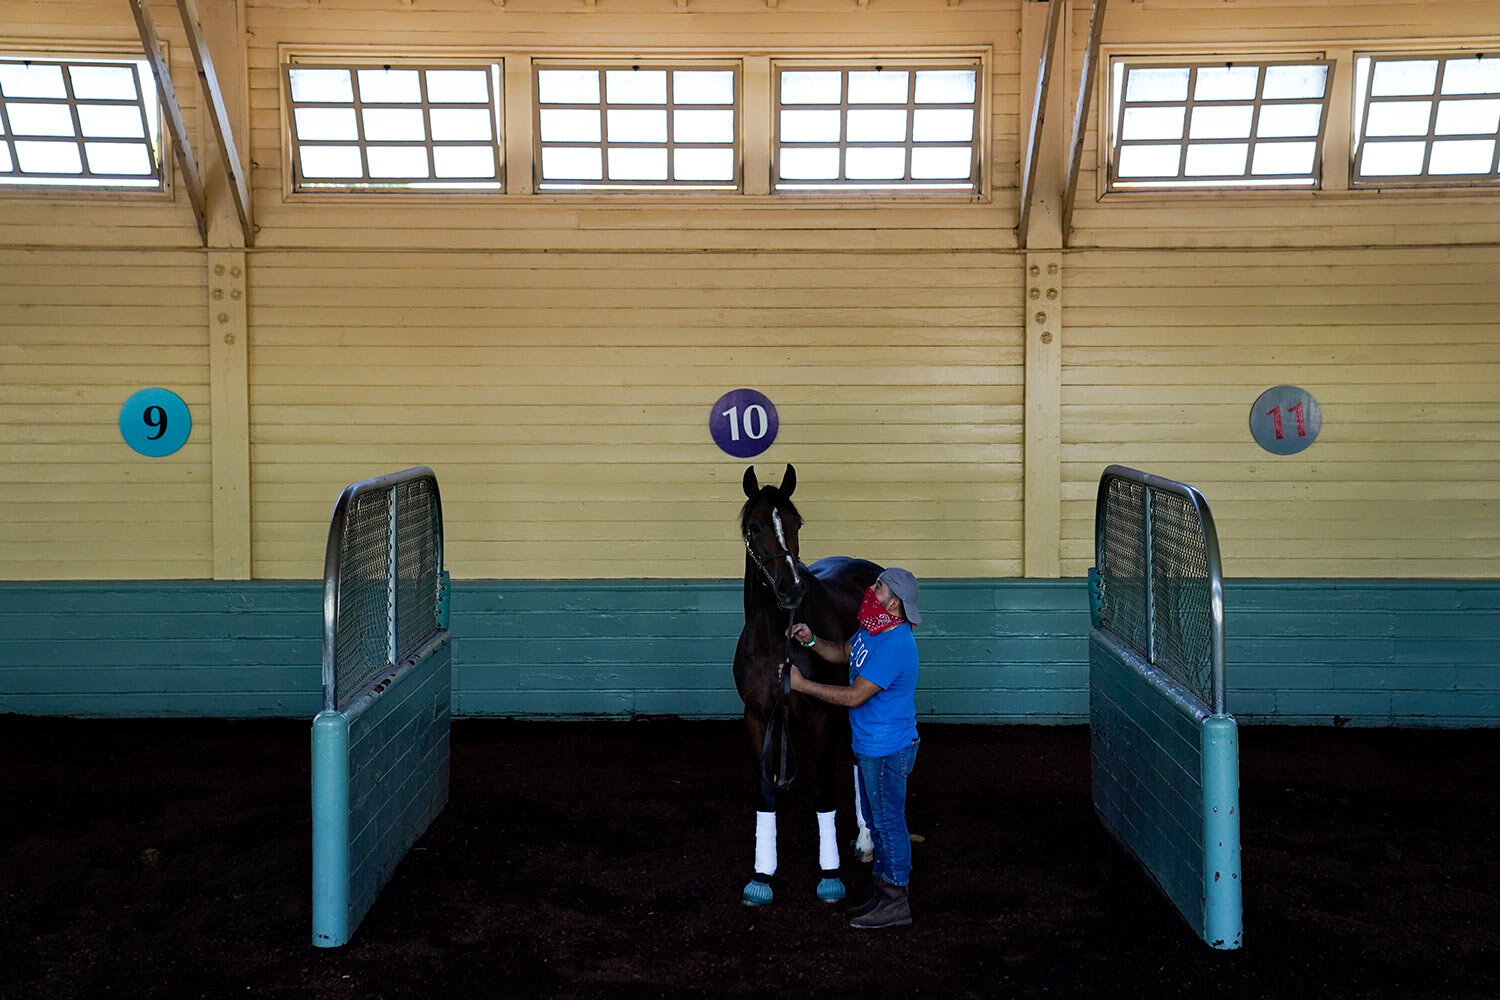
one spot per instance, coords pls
(801, 633)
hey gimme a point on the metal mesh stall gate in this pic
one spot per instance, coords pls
(380, 745)
(1164, 751)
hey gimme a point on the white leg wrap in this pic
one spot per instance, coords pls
(828, 844)
(765, 843)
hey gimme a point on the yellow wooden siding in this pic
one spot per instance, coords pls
(1331, 217)
(563, 400)
(1166, 351)
(79, 333)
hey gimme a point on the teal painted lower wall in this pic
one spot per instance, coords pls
(1319, 652)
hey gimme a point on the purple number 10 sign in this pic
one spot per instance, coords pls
(743, 423)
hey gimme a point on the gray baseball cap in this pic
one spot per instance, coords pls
(904, 586)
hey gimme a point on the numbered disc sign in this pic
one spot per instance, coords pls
(743, 423)
(1285, 420)
(155, 422)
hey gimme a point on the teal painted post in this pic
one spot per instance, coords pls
(445, 587)
(330, 829)
(1222, 917)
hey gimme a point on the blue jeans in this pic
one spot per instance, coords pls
(882, 796)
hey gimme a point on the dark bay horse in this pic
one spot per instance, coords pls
(780, 590)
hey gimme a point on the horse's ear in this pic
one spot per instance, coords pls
(752, 485)
(789, 481)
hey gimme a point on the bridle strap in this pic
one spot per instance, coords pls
(781, 773)
(772, 557)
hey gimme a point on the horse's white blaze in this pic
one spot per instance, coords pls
(781, 537)
(765, 843)
(828, 842)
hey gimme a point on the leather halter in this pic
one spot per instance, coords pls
(780, 773)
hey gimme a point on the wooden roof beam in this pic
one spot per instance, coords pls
(239, 188)
(1081, 113)
(1045, 63)
(192, 177)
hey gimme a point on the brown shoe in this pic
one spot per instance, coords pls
(892, 909)
(869, 904)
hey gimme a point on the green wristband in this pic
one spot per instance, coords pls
(810, 645)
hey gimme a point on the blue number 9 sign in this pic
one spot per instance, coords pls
(155, 422)
(743, 423)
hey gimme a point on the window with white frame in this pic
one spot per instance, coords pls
(1426, 119)
(1187, 124)
(398, 127)
(887, 128)
(602, 127)
(81, 122)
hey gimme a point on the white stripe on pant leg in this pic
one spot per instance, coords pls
(765, 843)
(828, 842)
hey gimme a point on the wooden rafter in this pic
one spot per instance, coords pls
(1038, 116)
(192, 178)
(239, 189)
(1081, 113)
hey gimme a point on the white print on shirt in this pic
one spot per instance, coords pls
(857, 661)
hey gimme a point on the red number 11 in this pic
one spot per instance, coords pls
(1275, 414)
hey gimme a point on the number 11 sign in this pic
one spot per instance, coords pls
(743, 423)
(1285, 420)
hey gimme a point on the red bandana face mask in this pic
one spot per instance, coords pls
(874, 618)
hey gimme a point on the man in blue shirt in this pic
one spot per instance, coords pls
(882, 700)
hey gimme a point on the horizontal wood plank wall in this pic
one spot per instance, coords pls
(1167, 351)
(1312, 652)
(80, 332)
(1331, 217)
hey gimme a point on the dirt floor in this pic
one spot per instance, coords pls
(171, 859)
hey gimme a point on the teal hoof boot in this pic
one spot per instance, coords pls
(831, 890)
(756, 894)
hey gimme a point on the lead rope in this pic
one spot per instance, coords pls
(783, 775)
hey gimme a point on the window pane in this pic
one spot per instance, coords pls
(40, 119)
(946, 86)
(943, 125)
(1149, 161)
(1392, 159)
(878, 87)
(811, 87)
(326, 123)
(1403, 78)
(1221, 123)
(111, 121)
(1168, 84)
(809, 164)
(1463, 156)
(635, 86)
(1226, 83)
(463, 161)
(1153, 123)
(458, 86)
(394, 124)
(331, 161)
(875, 164)
(1223, 160)
(703, 126)
(702, 86)
(397, 161)
(461, 123)
(108, 83)
(703, 164)
(48, 157)
(1283, 82)
(572, 164)
(322, 86)
(637, 164)
(35, 80)
(637, 126)
(5, 165)
(1468, 117)
(809, 126)
(877, 126)
(942, 162)
(568, 86)
(390, 86)
(1472, 76)
(1399, 118)
(569, 125)
(1289, 120)
(118, 158)
(1284, 157)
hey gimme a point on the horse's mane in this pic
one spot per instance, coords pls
(777, 499)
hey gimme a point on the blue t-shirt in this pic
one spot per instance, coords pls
(887, 722)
